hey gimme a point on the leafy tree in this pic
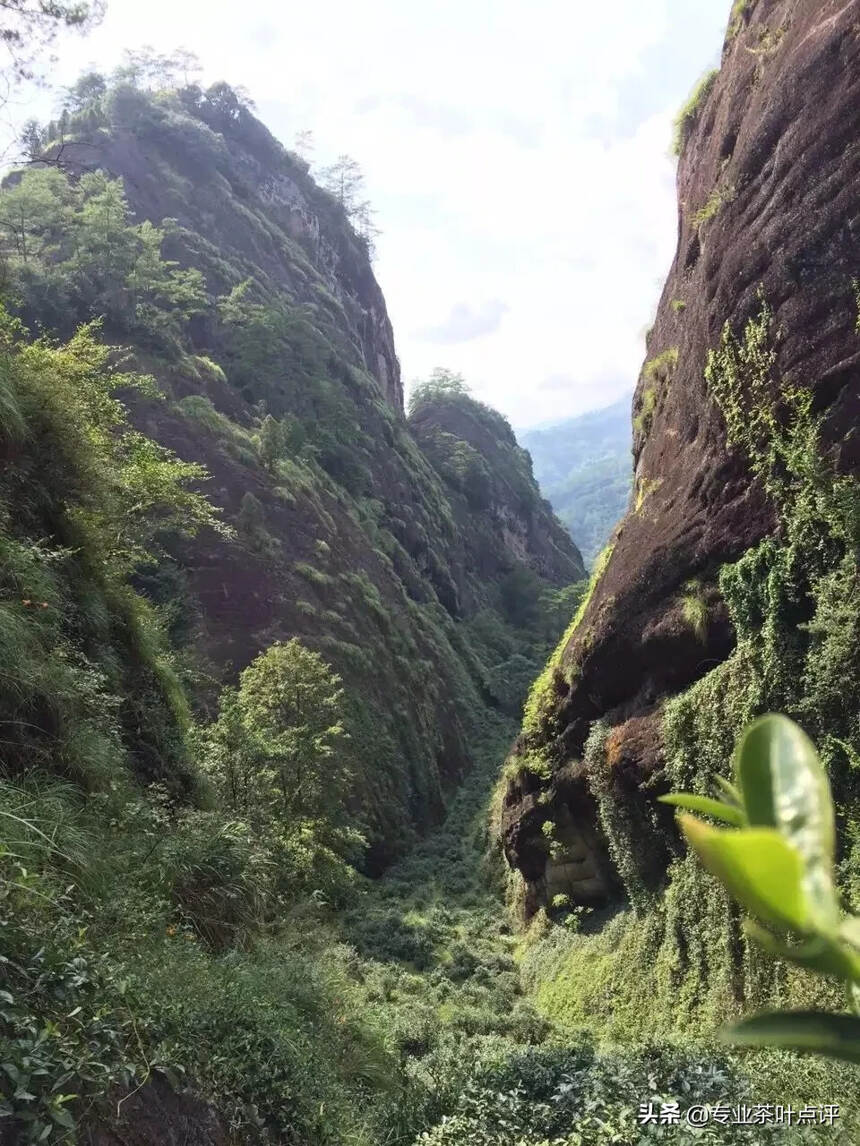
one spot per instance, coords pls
(363, 217)
(276, 755)
(127, 491)
(442, 383)
(73, 252)
(519, 593)
(304, 144)
(28, 27)
(88, 89)
(226, 104)
(344, 180)
(31, 139)
(273, 442)
(33, 215)
(186, 64)
(290, 700)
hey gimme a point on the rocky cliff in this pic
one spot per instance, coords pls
(244, 289)
(752, 361)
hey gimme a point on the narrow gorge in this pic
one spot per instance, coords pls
(329, 776)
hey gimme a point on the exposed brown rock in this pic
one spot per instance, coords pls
(769, 201)
(156, 1115)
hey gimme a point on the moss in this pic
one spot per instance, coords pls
(644, 488)
(695, 610)
(739, 14)
(691, 112)
(657, 373)
(682, 967)
(644, 416)
(312, 574)
(662, 366)
(678, 304)
(718, 198)
(541, 700)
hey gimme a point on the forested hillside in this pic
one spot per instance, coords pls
(204, 248)
(275, 866)
(583, 466)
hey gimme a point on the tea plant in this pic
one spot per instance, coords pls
(777, 860)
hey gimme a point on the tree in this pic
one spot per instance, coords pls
(145, 68)
(367, 230)
(280, 729)
(74, 251)
(276, 757)
(442, 383)
(290, 700)
(344, 180)
(122, 490)
(31, 139)
(28, 27)
(273, 442)
(87, 91)
(186, 64)
(304, 144)
(519, 593)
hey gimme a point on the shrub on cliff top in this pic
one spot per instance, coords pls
(688, 116)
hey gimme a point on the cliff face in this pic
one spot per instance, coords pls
(769, 216)
(271, 344)
(211, 166)
(502, 521)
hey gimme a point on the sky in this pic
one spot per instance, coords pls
(517, 153)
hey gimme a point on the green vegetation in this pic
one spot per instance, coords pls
(216, 721)
(661, 367)
(691, 112)
(656, 373)
(266, 373)
(584, 469)
(740, 12)
(644, 488)
(678, 965)
(222, 725)
(718, 198)
(644, 415)
(695, 609)
(779, 864)
(542, 696)
(73, 253)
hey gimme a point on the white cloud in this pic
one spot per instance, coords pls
(514, 152)
(465, 322)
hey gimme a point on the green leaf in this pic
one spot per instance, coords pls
(850, 930)
(818, 954)
(835, 1035)
(729, 791)
(706, 806)
(758, 867)
(785, 787)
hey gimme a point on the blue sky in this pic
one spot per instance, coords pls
(517, 154)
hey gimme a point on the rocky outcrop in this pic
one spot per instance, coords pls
(258, 206)
(503, 522)
(156, 1114)
(282, 381)
(769, 208)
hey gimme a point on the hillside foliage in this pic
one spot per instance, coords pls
(584, 469)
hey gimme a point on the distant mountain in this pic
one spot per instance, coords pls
(584, 468)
